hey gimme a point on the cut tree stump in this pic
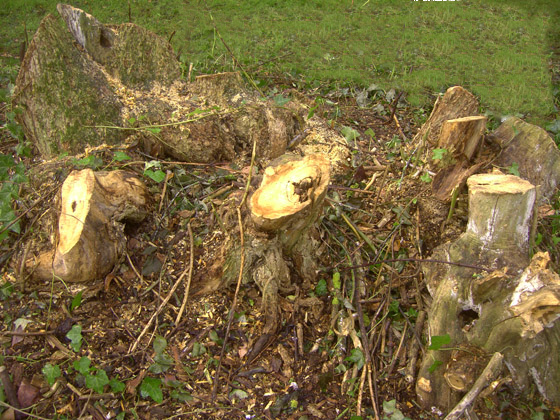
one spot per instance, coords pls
(279, 232)
(93, 209)
(493, 300)
(456, 103)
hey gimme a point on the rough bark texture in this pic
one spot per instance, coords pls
(94, 207)
(533, 150)
(90, 84)
(456, 103)
(502, 306)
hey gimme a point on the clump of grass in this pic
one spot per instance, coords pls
(499, 50)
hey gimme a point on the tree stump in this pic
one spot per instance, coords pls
(456, 103)
(88, 84)
(492, 301)
(93, 209)
(532, 150)
(279, 231)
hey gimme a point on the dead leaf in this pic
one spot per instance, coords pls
(27, 394)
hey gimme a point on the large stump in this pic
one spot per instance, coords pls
(93, 209)
(493, 301)
(532, 150)
(84, 84)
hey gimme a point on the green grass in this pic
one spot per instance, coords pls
(500, 50)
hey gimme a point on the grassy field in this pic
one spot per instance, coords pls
(500, 50)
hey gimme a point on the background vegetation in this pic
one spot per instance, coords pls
(503, 51)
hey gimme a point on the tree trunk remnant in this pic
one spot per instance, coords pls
(90, 84)
(279, 231)
(493, 301)
(532, 150)
(93, 209)
(461, 136)
(456, 103)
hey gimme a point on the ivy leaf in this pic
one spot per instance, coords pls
(98, 381)
(151, 387)
(438, 154)
(438, 341)
(156, 176)
(356, 357)
(120, 156)
(82, 365)
(370, 132)
(514, 169)
(426, 178)
(321, 288)
(51, 373)
(75, 337)
(279, 100)
(116, 385)
(349, 134)
(160, 343)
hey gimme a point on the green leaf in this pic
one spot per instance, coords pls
(370, 132)
(51, 373)
(349, 134)
(131, 120)
(426, 178)
(151, 387)
(279, 100)
(77, 301)
(120, 156)
(435, 365)
(153, 130)
(312, 112)
(6, 290)
(392, 412)
(213, 335)
(91, 161)
(514, 169)
(156, 176)
(198, 349)
(160, 344)
(98, 381)
(356, 418)
(82, 365)
(336, 280)
(238, 394)
(116, 385)
(438, 154)
(321, 288)
(437, 341)
(75, 337)
(181, 396)
(356, 357)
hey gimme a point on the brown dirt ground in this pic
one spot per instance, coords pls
(307, 370)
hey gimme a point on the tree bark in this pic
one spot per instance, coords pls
(493, 301)
(279, 232)
(90, 84)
